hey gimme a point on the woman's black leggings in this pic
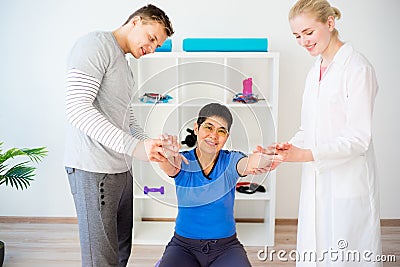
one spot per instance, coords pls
(186, 252)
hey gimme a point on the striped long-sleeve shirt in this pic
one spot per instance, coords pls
(81, 113)
(102, 131)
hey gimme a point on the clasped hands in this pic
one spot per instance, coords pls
(159, 149)
(267, 159)
(286, 152)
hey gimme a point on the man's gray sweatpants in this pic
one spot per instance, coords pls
(104, 208)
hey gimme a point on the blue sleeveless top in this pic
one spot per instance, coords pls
(205, 203)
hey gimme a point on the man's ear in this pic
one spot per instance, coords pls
(196, 128)
(136, 20)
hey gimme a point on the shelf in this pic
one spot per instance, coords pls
(239, 196)
(260, 104)
(200, 103)
(152, 105)
(153, 233)
(245, 55)
(194, 79)
(255, 196)
(155, 196)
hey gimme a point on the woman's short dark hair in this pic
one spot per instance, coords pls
(215, 109)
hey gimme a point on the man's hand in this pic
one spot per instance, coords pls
(171, 146)
(153, 150)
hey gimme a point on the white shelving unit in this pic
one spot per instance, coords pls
(194, 79)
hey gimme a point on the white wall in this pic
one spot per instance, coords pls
(36, 37)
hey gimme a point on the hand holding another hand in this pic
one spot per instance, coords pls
(266, 162)
(276, 153)
(149, 150)
(171, 148)
(287, 152)
(157, 150)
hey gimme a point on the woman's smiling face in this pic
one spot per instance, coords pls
(212, 134)
(314, 36)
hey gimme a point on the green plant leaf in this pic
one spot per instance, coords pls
(35, 154)
(2, 167)
(18, 176)
(11, 153)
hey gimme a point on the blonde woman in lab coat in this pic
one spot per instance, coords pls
(339, 202)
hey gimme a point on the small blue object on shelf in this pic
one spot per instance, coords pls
(155, 98)
(225, 44)
(166, 46)
(246, 99)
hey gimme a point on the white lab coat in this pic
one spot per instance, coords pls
(339, 191)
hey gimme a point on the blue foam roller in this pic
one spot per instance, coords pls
(225, 44)
(166, 46)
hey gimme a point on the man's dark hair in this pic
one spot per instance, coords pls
(215, 109)
(151, 13)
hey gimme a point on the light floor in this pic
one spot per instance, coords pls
(57, 245)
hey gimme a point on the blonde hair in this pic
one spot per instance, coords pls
(320, 9)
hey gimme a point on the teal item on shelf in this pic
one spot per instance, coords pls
(155, 98)
(225, 44)
(166, 46)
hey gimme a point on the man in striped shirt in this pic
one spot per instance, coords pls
(103, 134)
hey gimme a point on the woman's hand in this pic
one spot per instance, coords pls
(288, 152)
(157, 150)
(149, 150)
(171, 148)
